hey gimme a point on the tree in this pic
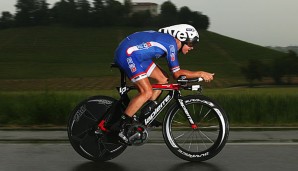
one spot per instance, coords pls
(200, 21)
(64, 12)
(6, 20)
(127, 7)
(255, 70)
(114, 13)
(168, 14)
(196, 19)
(83, 14)
(140, 19)
(291, 65)
(31, 12)
(278, 70)
(185, 15)
(25, 10)
(42, 13)
(98, 13)
(286, 66)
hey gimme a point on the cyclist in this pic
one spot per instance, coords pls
(134, 55)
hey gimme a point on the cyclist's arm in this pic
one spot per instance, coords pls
(194, 74)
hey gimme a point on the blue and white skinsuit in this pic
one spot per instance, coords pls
(135, 53)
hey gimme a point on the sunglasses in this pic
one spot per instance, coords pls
(193, 42)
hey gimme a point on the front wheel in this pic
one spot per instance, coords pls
(203, 139)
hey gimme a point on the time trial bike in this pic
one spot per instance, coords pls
(194, 127)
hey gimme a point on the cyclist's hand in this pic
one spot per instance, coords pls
(207, 76)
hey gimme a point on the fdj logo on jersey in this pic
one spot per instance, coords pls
(131, 65)
(144, 45)
(172, 52)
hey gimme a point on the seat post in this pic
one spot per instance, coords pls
(123, 78)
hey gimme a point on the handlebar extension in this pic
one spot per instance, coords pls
(183, 79)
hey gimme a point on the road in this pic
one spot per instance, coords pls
(150, 157)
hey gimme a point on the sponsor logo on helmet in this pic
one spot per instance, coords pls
(190, 29)
(182, 36)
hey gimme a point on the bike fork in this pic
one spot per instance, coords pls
(186, 112)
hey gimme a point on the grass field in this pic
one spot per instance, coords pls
(259, 106)
(244, 107)
(43, 54)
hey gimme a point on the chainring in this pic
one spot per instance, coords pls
(137, 134)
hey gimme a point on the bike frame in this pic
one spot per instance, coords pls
(174, 93)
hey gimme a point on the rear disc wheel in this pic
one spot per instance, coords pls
(84, 134)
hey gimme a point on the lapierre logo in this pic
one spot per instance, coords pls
(158, 109)
(122, 90)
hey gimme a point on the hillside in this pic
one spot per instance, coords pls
(78, 58)
(285, 49)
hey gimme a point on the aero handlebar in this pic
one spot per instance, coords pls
(182, 79)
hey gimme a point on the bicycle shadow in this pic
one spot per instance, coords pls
(192, 166)
(109, 166)
(98, 166)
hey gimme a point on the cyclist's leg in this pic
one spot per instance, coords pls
(137, 73)
(145, 93)
(161, 77)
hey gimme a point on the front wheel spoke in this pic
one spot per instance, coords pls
(205, 116)
(185, 141)
(202, 139)
(181, 135)
(197, 138)
(211, 119)
(190, 143)
(181, 123)
(201, 110)
(204, 135)
(194, 109)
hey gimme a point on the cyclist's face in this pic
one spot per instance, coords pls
(186, 48)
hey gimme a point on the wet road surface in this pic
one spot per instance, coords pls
(150, 157)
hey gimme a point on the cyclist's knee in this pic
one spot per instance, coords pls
(163, 80)
(147, 94)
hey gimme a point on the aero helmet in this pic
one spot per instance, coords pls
(186, 33)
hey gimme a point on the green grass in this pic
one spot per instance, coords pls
(259, 106)
(61, 52)
(54, 52)
(245, 107)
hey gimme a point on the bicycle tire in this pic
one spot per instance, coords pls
(207, 138)
(82, 125)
